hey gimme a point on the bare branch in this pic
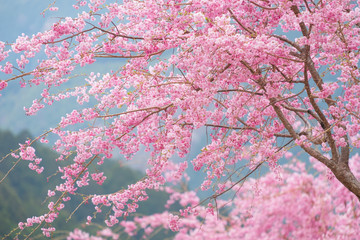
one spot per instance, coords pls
(252, 32)
(324, 122)
(266, 8)
(287, 41)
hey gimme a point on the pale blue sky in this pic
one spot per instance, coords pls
(24, 16)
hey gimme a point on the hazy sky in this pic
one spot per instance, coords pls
(25, 16)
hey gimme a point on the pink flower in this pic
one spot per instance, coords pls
(8, 69)
(3, 84)
(53, 9)
(174, 222)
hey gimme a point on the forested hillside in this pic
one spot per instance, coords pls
(23, 190)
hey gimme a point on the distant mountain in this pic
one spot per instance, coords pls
(23, 191)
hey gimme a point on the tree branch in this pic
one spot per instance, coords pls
(252, 32)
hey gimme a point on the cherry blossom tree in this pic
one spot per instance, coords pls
(231, 67)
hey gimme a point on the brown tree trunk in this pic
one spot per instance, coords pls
(343, 173)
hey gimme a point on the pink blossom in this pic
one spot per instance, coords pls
(129, 226)
(174, 222)
(3, 84)
(8, 68)
(219, 85)
(53, 9)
